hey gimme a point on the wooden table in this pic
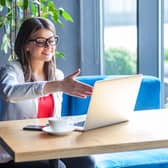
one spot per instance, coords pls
(145, 130)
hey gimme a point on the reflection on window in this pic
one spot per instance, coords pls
(120, 37)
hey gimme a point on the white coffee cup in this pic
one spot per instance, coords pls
(59, 123)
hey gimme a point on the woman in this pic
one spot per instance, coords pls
(31, 86)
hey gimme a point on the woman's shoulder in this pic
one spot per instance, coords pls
(15, 63)
(12, 64)
(11, 68)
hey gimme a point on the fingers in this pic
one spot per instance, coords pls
(75, 87)
(79, 94)
(86, 89)
(82, 90)
(79, 89)
(75, 74)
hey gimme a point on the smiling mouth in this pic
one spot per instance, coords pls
(46, 53)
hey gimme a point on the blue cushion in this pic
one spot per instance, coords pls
(66, 104)
(150, 94)
(155, 158)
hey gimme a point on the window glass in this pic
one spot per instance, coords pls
(166, 51)
(120, 37)
(165, 36)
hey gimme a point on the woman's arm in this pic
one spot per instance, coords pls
(69, 86)
(13, 87)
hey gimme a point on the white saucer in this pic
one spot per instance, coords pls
(59, 131)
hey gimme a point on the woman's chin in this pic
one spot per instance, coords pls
(48, 58)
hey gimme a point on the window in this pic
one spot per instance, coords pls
(165, 36)
(120, 37)
(166, 50)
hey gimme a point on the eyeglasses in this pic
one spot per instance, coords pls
(45, 42)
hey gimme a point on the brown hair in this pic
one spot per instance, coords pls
(28, 27)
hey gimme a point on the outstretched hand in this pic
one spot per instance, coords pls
(74, 87)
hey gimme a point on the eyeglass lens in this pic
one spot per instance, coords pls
(42, 42)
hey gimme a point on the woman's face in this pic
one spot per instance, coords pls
(42, 45)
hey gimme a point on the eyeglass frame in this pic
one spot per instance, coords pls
(46, 42)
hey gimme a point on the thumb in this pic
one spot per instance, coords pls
(75, 74)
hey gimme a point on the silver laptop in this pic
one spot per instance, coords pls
(112, 101)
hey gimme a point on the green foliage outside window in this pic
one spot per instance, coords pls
(119, 61)
(166, 55)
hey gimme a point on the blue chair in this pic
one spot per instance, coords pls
(149, 96)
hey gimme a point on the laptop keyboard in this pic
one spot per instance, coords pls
(80, 123)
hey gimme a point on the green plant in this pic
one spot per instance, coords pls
(119, 61)
(166, 54)
(13, 12)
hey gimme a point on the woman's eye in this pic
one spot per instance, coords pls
(40, 42)
(51, 41)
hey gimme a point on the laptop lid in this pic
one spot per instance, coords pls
(112, 101)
